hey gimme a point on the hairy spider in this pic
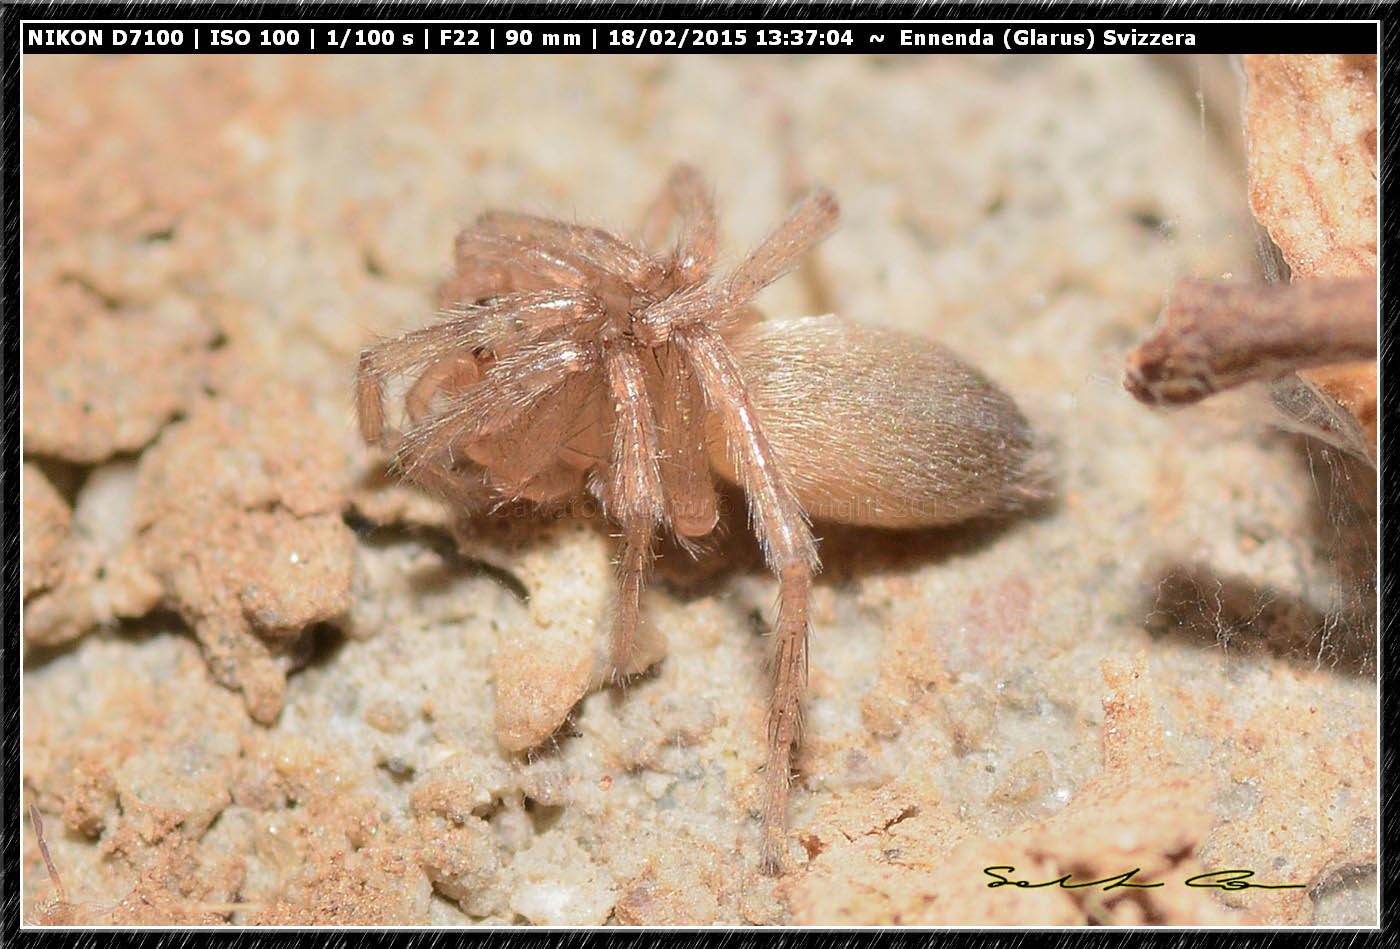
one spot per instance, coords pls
(575, 361)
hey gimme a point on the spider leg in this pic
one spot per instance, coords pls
(788, 548)
(508, 321)
(488, 261)
(691, 501)
(558, 313)
(369, 403)
(661, 211)
(723, 306)
(437, 477)
(809, 221)
(635, 490)
(511, 388)
(474, 281)
(633, 568)
(456, 373)
(785, 708)
(492, 265)
(591, 250)
(529, 447)
(686, 197)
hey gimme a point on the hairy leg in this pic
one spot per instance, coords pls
(465, 490)
(789, 670)
(721, 306)
(508, 390)
(508, 252)
(661, 211)
(684, 196)
(634, 492)
(691, 501)
(369, 403)
(476, 280)
(452, 375)
(809, 221)
(513, 321)
(590, 250)
(634, 567)
(511, 262)
(791, 554)
(506, 323)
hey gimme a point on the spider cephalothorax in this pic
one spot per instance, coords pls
(575, 361)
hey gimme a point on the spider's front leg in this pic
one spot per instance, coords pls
(790, 553)
(429, 473)
(369, 403)
(441, 355)
(491, 264)
(592, 253)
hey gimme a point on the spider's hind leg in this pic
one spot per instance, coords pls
(788, 548)
(684, 200)
(785, 708)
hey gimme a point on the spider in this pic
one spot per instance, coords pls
(574, 361)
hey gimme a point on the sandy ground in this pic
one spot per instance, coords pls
(263, 684)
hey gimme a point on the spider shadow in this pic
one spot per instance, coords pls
(848, 553)
(450, 545)
(1342, 512)
(1196, 603)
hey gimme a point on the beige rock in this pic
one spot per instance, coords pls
(559, 885)
(542, 671)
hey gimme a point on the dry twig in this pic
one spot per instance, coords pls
(1216, 336)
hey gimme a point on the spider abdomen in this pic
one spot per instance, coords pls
(879, 427)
